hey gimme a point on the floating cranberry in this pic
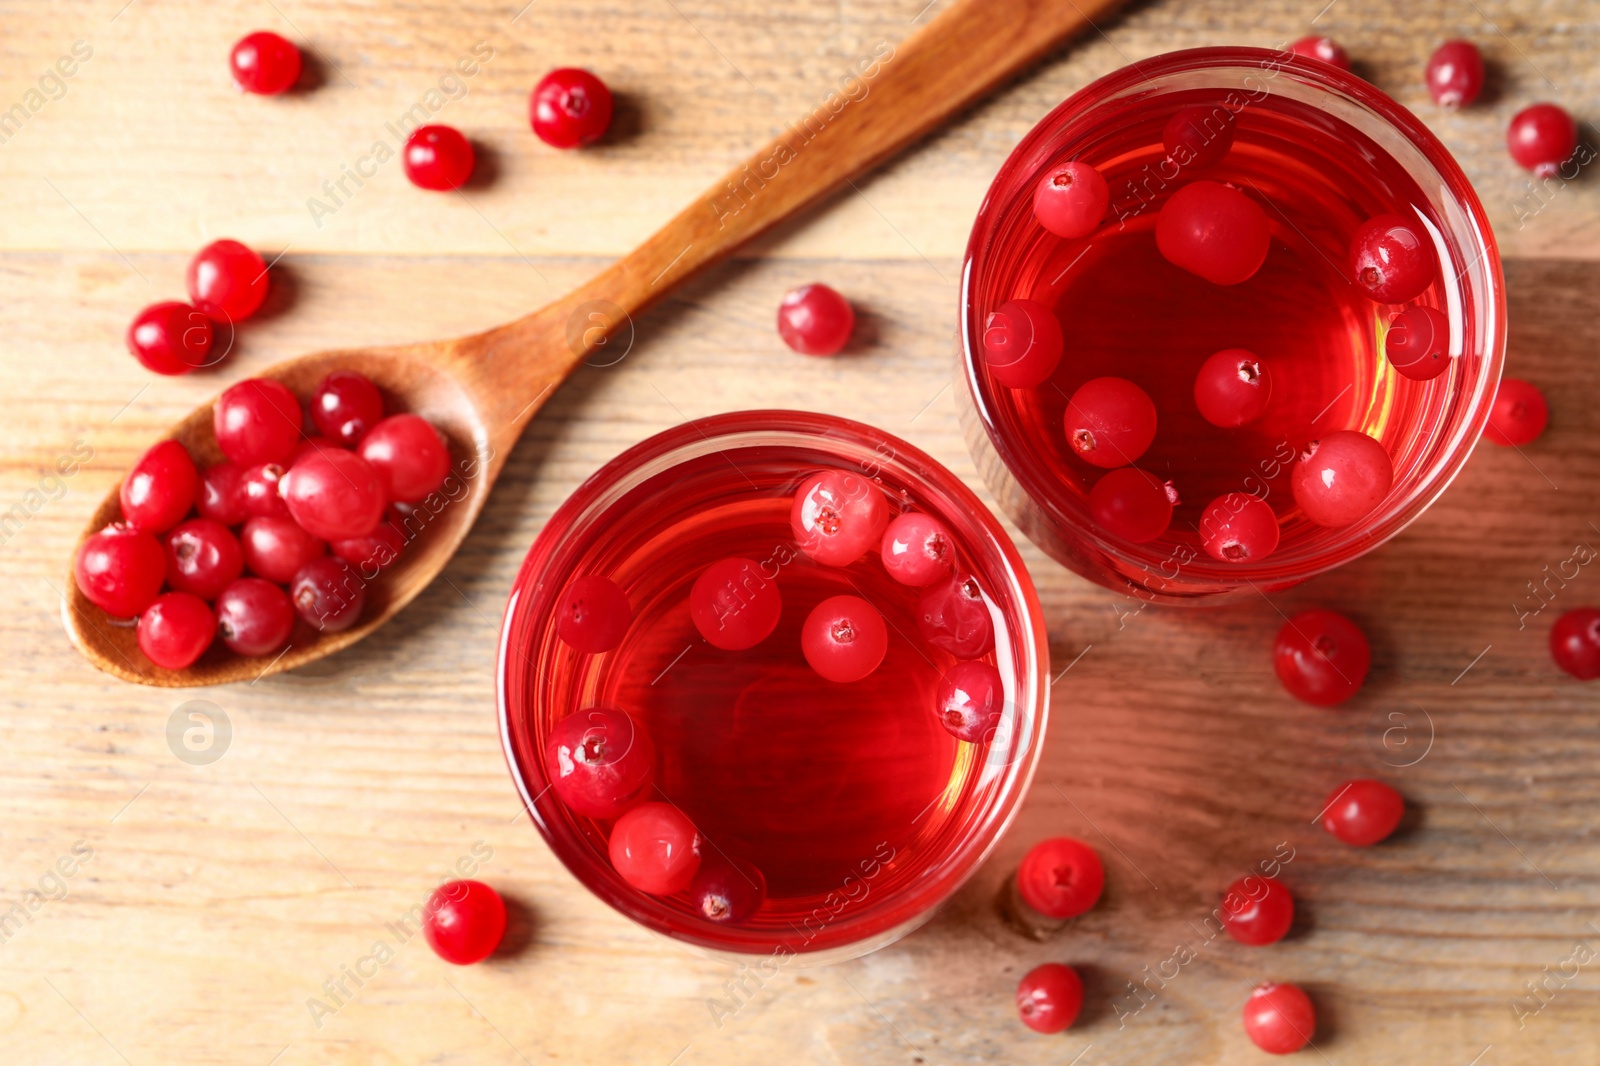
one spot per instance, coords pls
(953, 615)
(726, 890)
(409, 455)
(1214, 231)
(1519, 414)
(265, 64)
(1239, 528)
(1321, 657)
(373, 552)
(1363, 812)
(1575, 643)
(655, 848)
(1049, 997)
(734, 605)
(176, 629)
(160, 489)
(1455, 74)
(438, 158)
(1392, 259)
(334, 494)
(593, 615)
(221, 494)
(970, 701)
(345, 406)
(203, 558)
(1131, 504)
(570, 107)
(464, 921)
(844, 638)
(837, 516)
(1199, 136)
(1110, 422)
(257, 421)
(1070, 200)
(254, 617)
(917, 550)
(227, 281)
(328, 595)
(1022, 344)
(1279, 1019)
(1541, 138)
(258, 491)
(171, 338)
(1232, 388)
(1418, 343)
(1257, 910)
(815, 320)
(1322, 49)
(1341, 478)
(120, 569)
(276, 548)
(600, 761)
(1061, 878)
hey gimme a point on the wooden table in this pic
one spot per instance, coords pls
(209, 901)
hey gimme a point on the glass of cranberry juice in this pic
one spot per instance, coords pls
(1321, 151)
(859, 809)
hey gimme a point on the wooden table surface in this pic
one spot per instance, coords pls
(174, 902)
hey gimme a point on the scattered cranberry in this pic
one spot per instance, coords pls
(1049, 997)
(276, 548)
(464, 921)
(409, 455)
(1519, 414)
(1361, 813)
(221, 494)
(1541, 138)
(257, 421)
(837, 516)
(1392, 259)
(570, 107)
(328, 595)
(1214, 231)
(594, 614)
(815, 320)
(1110, 422)
(727, 891)
(203, 558)
(917, 549)
(1060, 878)
(120, 570)
(1575, 643)
(1455, 74)
(1232, 388)
(1022, 343)
(1279, 1019)
(733, 605)
(1131, 504)
(438, 158)
(1418, 343)
(227, 281)
(844, 638)
(171, 338)
(265, 64)
(160, 489)
(1239, 528)
(254, 617)
(176, 630)
(953, 615)
(1199, 136)
(970, 701)
(345, 406)
(1324, 49)
(600, 761)
(1257, 910)
(1321, 657)
(258, 491)
(1341, 478)
(655, 848)
(1070, 200)
(373, 552)
(334, 494)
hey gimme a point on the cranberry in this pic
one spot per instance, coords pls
(1022, 343)
(1519, 414)
(171, 338)
(1110, 422)
(1341, 478)
(570, 107)
(1049, 997)
(594, 614)
(254, 617)
(1214, 231)
(733, 605)
(954, 616)
(259, 494)
(917, 549)
(1257, 910)
(1363, 812)
(120, 569)
(371, 553)
(1541, 138)
(970, 701)
(1392, 259)
(203, 558)
(1199, 136)
(345, 406)
(227, 281)
(334, 494)
(656, 849)
(1232, 388)
(265, 64)
(1238, 528)
(1060, 878)
(815, 320)
(600, 761)
(464, 921)
(221, 496)
(844, 638)
(276, 548)
(1279, 1019)
(1070, 200)
(438, 158)
(726, 890)
(1131, 504)
(1323, 49)
(328, 594)
(1575, 643)
(1455, 74)
(837, 516)
(257, 421)
(1321, 657)
(176, 630)
(1418, 343)
(411, 458)
(160, 489)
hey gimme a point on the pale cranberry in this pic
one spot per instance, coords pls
(264, 63)
(1575, 643)
(464, 921)
(1323, 49)
(600, 761)
(1257, 910)
(1131, 504)
(1110, 422)
(345, 406)
(328, 595)
(1232, 388)
(917, 550)
(970, 701)
(1363, 812)
(1279, 1019)
(221, 494)
(259, 493)
(1061, 878)
(276, 548)
(837, 516)
(1321, 657)
(1519, 414)
(726, 890)
(656, 849)
(953, 615)
(160, 489)
(1199, 136)
(734, 605)
(1022, 343)
(1392, 259)
(171, 338)
(844, 638)
(120, 570)
(1049, 997)
(254, 617)
(409, 455)
(1070, 200)
(1341, 478)
(334, 494)
(570, 107)
(257, 421)
(1455, 74)
(593, 615)
(1418, 343)
(176, 630)
(1214, 231)
(203, 558)
(438, 158)
(227, 281)
(373, 552)
(815, 320)
(1541, 138)
(1239, 528)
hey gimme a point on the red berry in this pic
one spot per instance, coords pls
(1214, 231)
(257, 421)
(600, 761)
(594, 614)
(438, 158)
(1199, 136)
(1363, 812)
(1519, 414)
(1455, 74)
(917, 549)
(328, 595)
(221, 494)
(1110, 422)
(1070, 200)
(464, 921)
(1238, 528)
(120, 569)
(1392, 259)
(1061, 877)
(409, 455)
(373, 552)
(1049, 997)
(160, 489)
(815, 320)
(1131, 504)
(171, 338)
(570, 107)
(227, 281)
(176, 630)
(733, 605)
(203, 558)
(334, 494)
(655, 848)
(276, 548)
(1321, 657)
(1324, 49)
(1418, 343)
(837, 516)
(970, 701)
(1022, 343)
(1541, 138)
(844, 638)
(953, 615)
(1341, 478)
(1257, 910)
(1232, 388)
(1279, 1019)
(1575, 643)
(254, 617)
(265, 63)
(345, 406)
(259, 494)
(725, 890)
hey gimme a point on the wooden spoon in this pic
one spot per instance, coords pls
(482, 390)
